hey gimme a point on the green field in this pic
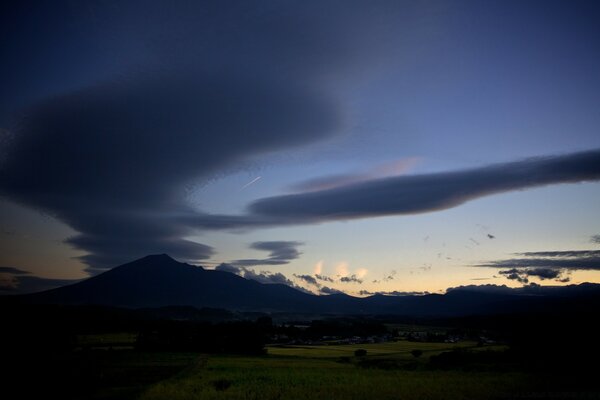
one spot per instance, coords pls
(400, 349)
(318, 372)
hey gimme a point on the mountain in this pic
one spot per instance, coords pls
(159, 281)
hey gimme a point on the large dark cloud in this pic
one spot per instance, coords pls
(118, 110)
(405, 195)
(126, 107)
(281, 252)
(112, 162)
(221, 84)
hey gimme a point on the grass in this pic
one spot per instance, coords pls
(314, 372)
(306, 378)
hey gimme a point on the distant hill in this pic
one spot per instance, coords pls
(160, 281)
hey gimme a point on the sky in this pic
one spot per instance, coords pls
(393, 147)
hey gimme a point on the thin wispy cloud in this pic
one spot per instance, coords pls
(393, 168)
(318, 269)
(253, 181)
(341, 269)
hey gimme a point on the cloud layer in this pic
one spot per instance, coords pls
(281, 252)
(407, 195)
(543, 265)
(573, 260)
(17, 281)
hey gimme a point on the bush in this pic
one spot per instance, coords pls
(417, 353)
(360, 353)
(221, 384)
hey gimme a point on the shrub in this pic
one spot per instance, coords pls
(360, 353)
(417, 353)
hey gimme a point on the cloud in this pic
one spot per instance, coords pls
(266, 277)
(324, 278)
(229, 268)
(308, 279)
(562, 260)
(116, 157)
(351, 279)
(487, 288)
(13, 271)
(392, 293)
(329, 290)
(18, 284)
(113, 161)
(523, 274)
(391, 276)
(8, 282)
(393, 168)
(531, 288)
(430, 192)
(341, 268)
(318, 267)
(17, 281)
(546, 264)
(115, 149)
(411, 194)
(280, 252)
(515, 274)
(595, 239)
(361, 272)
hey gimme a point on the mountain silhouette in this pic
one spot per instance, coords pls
(160, 281)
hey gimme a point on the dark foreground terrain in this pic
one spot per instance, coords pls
(85, 352)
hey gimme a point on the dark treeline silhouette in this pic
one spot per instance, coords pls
(239, 337)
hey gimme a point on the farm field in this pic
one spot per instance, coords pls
(333, 372)
(399, 349)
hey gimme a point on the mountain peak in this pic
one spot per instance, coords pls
(158, 257)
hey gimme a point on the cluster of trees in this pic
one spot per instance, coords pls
(239, 337)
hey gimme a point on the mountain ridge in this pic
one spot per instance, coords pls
(159, 281)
